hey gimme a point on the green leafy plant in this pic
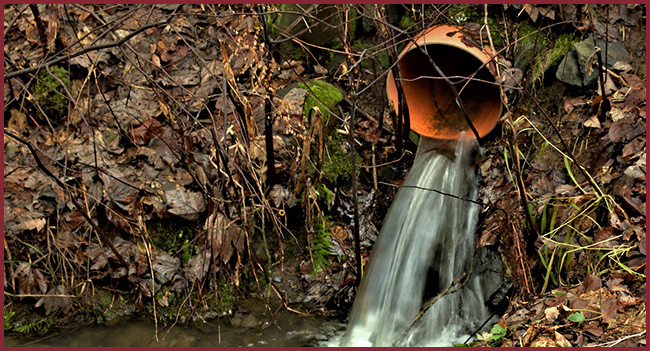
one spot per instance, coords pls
(8, 316)
(498, 334)
(320, 245)
(469, 344)
(577, 317)
(41, 326)
(324, 193)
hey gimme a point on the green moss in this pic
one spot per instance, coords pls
(338, 163)
(551, 57)
(495, 31)
(177, 239)
(461, 14)
(524, 29)
(407, 23)
(226, 299)
(274, 19)
(352, 25)
(323, 95)
(367, 43)
(48, 93)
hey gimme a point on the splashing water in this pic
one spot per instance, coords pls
(425, 244)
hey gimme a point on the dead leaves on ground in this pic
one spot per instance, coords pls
(595, 312)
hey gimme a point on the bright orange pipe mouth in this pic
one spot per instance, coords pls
(431, 102)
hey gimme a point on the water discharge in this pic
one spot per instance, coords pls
(426, 243)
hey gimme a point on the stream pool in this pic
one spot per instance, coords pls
(288, 330)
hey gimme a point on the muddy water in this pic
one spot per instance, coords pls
(288, 330)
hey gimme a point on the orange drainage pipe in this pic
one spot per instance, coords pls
(431, 102)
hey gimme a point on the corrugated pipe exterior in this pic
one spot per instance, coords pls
(431, 102)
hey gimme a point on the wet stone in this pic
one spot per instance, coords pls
(574, 68)
(569, 72)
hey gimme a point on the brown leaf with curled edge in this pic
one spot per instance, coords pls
(620, 130)
(198, 265)
(543, 336)
(56, 299)
(30, 279)
(224, 237)
(626, 301)
(66, 239)
(606, 238)
(97, 258)
(593, 329)
(642, 247)
(147, 130)
(570, 103)
(31, 224)
(185, 204)
(165, 267)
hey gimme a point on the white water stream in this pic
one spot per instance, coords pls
(427, 242)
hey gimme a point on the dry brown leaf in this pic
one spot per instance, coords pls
(185, 204)
(30, 279)
(626, 301)
(198, 265)
(606, 238)
(609, 309)
(551, 314)
(224, 238)
(165, 267)
(31, 224)
(561, 341)
(56, 299)
(592, 122)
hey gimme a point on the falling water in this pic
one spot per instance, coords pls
(425, 244)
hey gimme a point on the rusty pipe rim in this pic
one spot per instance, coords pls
(431, 102)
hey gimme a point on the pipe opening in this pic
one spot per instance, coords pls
(431, 102)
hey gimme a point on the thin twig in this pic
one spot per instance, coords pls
(352, 122)
(268, 109)
(616, 342)
(39, 25)
(435, 191)
(433, 301)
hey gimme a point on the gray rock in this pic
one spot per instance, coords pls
(524, 56)
(614, 49)
(568, 71)
(579, 68)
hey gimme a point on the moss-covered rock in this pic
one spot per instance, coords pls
(323, 95)
(551, 57)
(337, 164)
